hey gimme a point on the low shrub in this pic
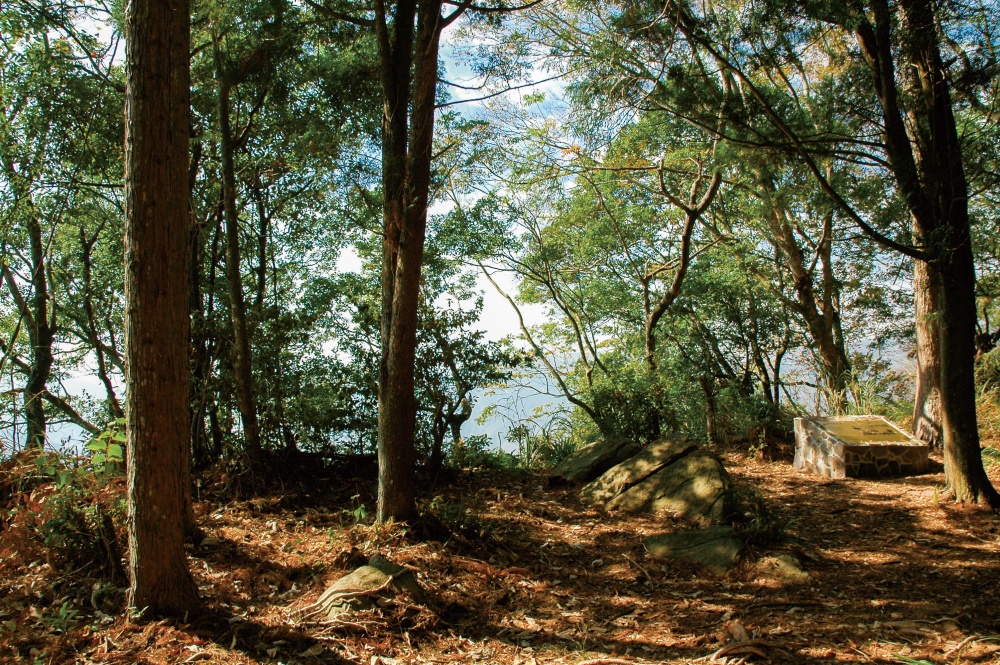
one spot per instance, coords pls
(758, 524)
(70, 507)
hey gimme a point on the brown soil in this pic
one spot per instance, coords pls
(529, 576)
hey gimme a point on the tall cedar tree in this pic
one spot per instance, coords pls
(157, 325)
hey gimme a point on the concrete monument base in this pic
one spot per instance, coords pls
(857, 446)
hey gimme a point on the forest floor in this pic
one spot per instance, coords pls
(530, 577)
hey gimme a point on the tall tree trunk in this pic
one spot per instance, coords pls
(157, 324)
(406, 159)
(242, 360)
(35, 314)
(927, 396)
(945, 225)
(963, 462)
(926, 158)
(819, 312)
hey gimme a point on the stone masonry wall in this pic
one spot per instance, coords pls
(820, 451)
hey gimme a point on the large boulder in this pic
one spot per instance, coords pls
(592, 460)
(617, 479)
(668, 476)
(694, 486)
(717, 549)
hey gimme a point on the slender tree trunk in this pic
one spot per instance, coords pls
(198, 348)
(455, 422)
(406, 158)
(927, 312)
(157, 325)
(711, 419)
(439, 428)
(819, 313)
(35, 314)
(41, 333)
(693, 210)
(242, 360)
(86, 246)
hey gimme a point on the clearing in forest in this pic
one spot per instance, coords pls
(529, 575)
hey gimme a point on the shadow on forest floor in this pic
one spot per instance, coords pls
(531, 576)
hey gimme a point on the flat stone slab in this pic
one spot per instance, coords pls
(589, 462)
(717, 549)
(360, 589)
(857, 447)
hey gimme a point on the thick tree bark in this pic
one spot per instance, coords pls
(157, 324)
(927, 311)
(963, 462)
(242, 361)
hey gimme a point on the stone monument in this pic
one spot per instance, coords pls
(857, 446)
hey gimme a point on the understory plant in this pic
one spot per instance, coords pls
(72, 506)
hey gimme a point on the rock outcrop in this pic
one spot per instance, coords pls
(667, 476)
(592, 460)
(717, 549)
(360, 589)
(783, 570)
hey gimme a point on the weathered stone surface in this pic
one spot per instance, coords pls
(716, 549)
(360, 589)
(592, 460)
(694, 486)
(783, 569)
(634, 470)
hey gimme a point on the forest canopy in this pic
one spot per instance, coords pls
(685, 219)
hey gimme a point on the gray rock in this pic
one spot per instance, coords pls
(361, 589)
(694, 486)
(784, 569)
(592, 460)
(634, 470)
(716, 549)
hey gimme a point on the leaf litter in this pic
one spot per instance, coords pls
(524, 574)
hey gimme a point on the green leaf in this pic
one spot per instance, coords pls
(115, 452)
(119, 436)
(99, 459)
(96, 446)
